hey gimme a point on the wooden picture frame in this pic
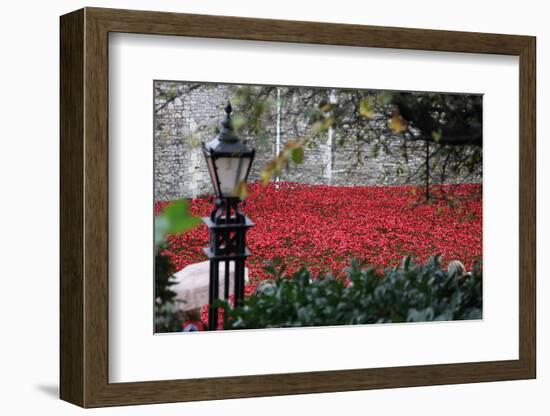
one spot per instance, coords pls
(84, 207)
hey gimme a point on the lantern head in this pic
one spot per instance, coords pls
(228, 159)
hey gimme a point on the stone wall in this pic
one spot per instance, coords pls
(187, 114)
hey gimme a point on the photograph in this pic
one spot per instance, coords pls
(297, 206)
(256, 204)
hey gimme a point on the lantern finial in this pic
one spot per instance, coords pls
(227, 134)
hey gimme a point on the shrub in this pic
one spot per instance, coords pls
(167, 315)
(407, 293)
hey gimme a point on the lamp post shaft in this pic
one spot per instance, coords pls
(227, 226)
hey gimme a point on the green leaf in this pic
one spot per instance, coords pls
(242, 190)
(366, 107)
(298, 155)
(178, 217)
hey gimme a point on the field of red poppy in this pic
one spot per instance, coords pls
(322, 227)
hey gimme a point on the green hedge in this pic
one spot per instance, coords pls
(408, 293)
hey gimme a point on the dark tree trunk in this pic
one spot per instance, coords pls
(427, 171)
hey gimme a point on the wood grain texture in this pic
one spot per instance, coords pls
(84, 207)
(71, 218)
(527, 207)
(162, 23)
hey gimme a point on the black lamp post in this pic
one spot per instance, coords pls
(228, 160)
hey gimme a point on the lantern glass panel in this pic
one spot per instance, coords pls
(212, 172)
(231, 171)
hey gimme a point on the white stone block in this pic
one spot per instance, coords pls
(193, 282)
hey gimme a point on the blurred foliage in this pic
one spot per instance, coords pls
(407, 293)
(455, 118)
(449, 124)
(168, 317)
(175, 218)
(255, 110)
(293, 151)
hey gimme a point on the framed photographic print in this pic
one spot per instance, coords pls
(259, 207)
